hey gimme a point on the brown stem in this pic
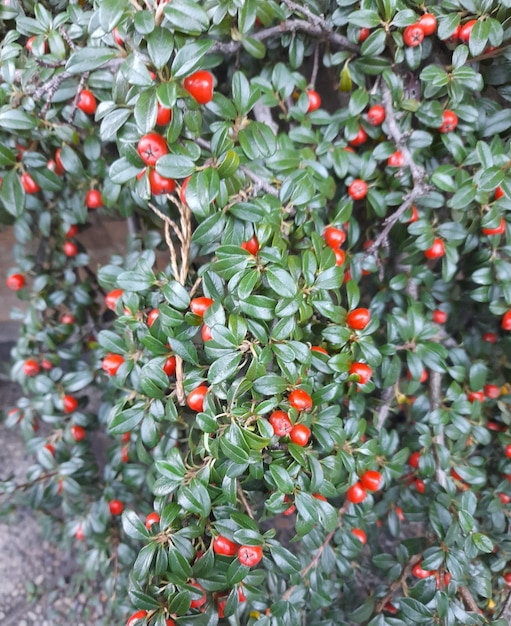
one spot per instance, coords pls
(242, 497)
(435, 394)
(469, 599)
(319, 29)
(315, 559)
(35, 480)
(180, 392)
(418, 173)
(383, 411)
(398, 582)
(505, 611)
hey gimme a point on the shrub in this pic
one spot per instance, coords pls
(306, 402)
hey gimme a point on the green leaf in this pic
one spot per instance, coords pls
(146, 110)
(482, 543)
(281, 282)
(479, 37)
(257, 140)
(110, 13)
(16, 119)
(254, 47)
(189, 57)
(186, 16)
(224, 368)
(175, 166)
(153, 379)
(133, 526)
(416, 611)
(282, 479)
(270, 384)
(160, 45)
(12, 194)
(88, 59)
(195, 498)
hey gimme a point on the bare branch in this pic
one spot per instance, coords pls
(398, 582)
(319, 29)
(469, 599)
(418, 173)
(435, 394)
(383, 411)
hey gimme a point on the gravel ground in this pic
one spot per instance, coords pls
(35, 576)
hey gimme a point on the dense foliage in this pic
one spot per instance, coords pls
(304, 405)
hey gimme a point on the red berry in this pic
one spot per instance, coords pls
(472, 396)
(492, 391)
(196, 397)
(79, 534)
(15, 282)
(116, 507)
(112, 298)
(117, 37)
(334, 237)
(58, 160)
(358, 319)
(93, 199)
(504, 498)
(449, 121)
(182, 191)
(151, 147)
(111, 363)
(281, 423)
(363, 34)
(206, 333)
(300, 434)
(314, 100)
(356, 493)
(300, 400)
(250, 555)
(360, 138)
(72, 231)
(152, 518)
(362, 370)
(29, 184)
(159, 184)
(252, 245)
(421, 573)
(499, 193)
(507, 578)
(506, 320)
(319, 349)
(70, 248)
(491, 337)
(428, 23)
(78, 432)
(376, 115)
(500, 230)
(224, 546)
(371, 480)
(413, 35)
(340, 257)
(197, 603)
(396, 159)
(199, 305)
(152, 316)
(436, 251)
(507, 450)
(360, 535)
(87, 102)
(420, 485)
(358, 189)
(413, 459)
(31, 367)
(136, 617)
(70, 404)
(439, 316)
(466, 30)
(200, 86)
(169, 367)
(163, 116)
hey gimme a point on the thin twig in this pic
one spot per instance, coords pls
(435, 394)
(180, 391)
(67, 38)
(32, 482)
(242, 497)
(320, 30)
(315, 559)
(169, 223)
(383, 411)
(418, 173)
(315, 66)
(398, 582)
(469, 599)
(260, 183)
(505, 611)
